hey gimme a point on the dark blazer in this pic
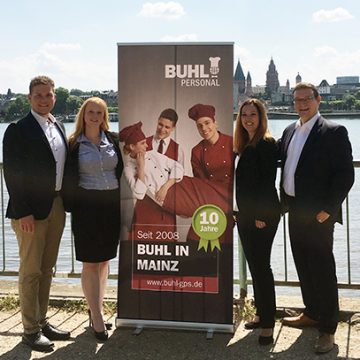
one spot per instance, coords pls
(325, 172)
(256, 194)
(71, 175)
(29, 169)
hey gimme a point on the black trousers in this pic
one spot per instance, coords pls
(312, 248)
(257, 244)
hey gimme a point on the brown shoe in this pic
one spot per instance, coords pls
(324, 343)
(299, 321)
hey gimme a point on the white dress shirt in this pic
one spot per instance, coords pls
(56, 142)
(294, 150)
(158, 170)
(156, 143)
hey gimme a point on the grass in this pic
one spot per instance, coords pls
(244, 310)
(243, 307)
(11, 302)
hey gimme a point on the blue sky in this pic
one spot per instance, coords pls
(75, 41)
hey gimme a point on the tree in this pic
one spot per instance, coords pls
(17, 108)
(76, 92)
(349, 101)
(73, 104)
(62, 95)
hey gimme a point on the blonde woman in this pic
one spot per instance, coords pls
(92, 195)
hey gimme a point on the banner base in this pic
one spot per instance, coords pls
(174, 325)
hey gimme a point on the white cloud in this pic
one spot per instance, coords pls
(61, 46)
(68, 70)
(167, 10)
(335, 15)
(183, 37)
(324, 51)
(240, 53)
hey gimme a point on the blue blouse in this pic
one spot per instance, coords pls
(97, 164)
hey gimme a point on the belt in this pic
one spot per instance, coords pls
(57, 193)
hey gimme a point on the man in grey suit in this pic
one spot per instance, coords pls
(317, 174)
(34, 153)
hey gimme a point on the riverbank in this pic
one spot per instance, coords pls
(288, 115)
(152, 344)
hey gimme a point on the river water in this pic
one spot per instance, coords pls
(278, 257)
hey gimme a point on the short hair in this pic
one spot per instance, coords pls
(306, 85)
(41, 80)
(169, 114)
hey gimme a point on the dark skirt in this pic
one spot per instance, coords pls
(96, 224)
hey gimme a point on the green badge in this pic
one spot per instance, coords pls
(209, 222)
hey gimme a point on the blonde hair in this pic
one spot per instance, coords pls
(80, 121)
(241, 136)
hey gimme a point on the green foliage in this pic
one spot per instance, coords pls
(349, 101)
(73, 104)
(113, 109)
(62, 95)
(244, 310)
(76, 92)
(17, 108)
(9, 303)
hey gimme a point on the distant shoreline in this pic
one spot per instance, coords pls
(287, 115)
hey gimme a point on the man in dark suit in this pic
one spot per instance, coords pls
(34, 153)
(317, 174)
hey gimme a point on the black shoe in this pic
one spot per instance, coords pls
(108, 325)
(38, 342)
(102, 335)
(52, 333)
(252, 325)
(266, 340)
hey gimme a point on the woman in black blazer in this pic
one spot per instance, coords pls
(259, 208)
(92, 195)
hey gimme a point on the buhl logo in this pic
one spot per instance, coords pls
(195, 74)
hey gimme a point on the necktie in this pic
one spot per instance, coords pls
(161, 146)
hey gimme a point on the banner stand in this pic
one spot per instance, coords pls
(177, 325)
(176, 256)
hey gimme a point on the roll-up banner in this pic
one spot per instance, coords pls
(176, 246)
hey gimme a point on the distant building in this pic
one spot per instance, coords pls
(347, 80)
(258, 89)
(248, 91)
(272, 78)
(242, 88)
(324, 88)
(298, 79)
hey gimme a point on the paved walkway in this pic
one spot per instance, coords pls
(174, 344)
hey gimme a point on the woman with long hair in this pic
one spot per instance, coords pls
(259, 208)
(92, 195)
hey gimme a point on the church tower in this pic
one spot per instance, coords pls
(239, 86)
(248, 90)
(272, 78)
(298, 78)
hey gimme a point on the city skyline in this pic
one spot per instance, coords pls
(76, 42)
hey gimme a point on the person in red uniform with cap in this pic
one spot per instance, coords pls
(212, 160)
